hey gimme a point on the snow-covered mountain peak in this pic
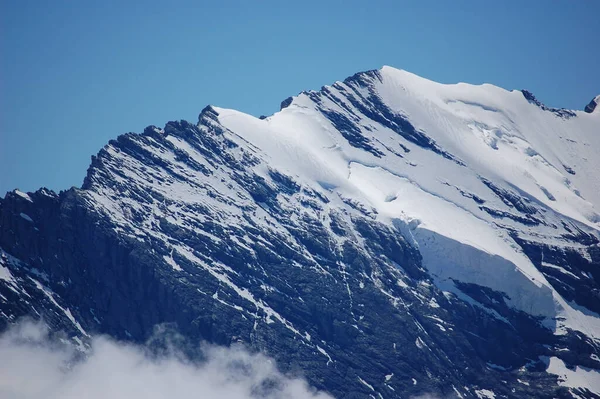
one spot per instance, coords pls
(459, 165)
(380, 227)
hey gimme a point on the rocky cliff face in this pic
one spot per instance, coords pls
(386, 236)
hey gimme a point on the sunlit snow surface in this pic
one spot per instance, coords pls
(580, 377)
(493, 133)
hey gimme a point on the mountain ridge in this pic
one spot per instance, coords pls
(377, 213)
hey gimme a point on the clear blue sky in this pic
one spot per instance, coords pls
(74, 74)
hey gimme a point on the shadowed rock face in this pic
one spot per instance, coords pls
(186, 225)
(591, 107)
(561, 112)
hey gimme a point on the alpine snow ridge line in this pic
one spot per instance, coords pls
(386, 236)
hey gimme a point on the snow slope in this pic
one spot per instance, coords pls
(487, 140)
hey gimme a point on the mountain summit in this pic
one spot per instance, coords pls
(386, 236)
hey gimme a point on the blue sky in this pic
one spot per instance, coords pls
(74, 74)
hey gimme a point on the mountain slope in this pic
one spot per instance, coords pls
(387, 236)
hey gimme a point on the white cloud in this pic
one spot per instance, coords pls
(34, 366)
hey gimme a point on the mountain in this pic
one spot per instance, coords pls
(386, 236)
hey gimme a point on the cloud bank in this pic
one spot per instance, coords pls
(34, 366)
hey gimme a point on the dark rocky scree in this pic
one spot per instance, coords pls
(345, 295)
